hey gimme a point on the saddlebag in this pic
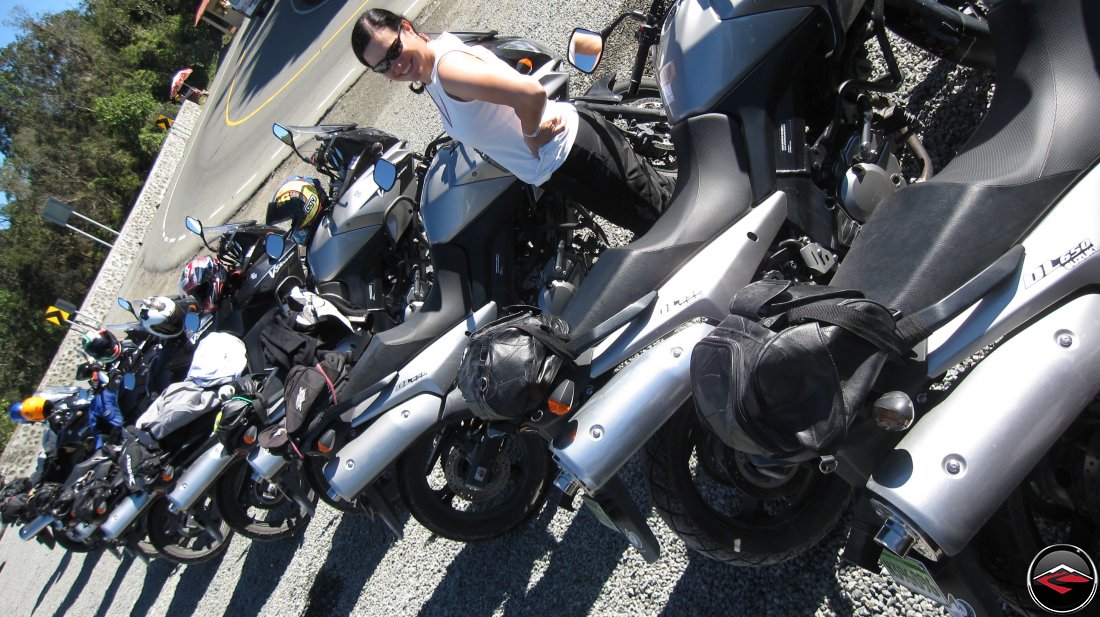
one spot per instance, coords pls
(511, 364)
(784, 374)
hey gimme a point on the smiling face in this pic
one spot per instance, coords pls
(405, 52)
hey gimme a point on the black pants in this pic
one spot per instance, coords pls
(606, 176)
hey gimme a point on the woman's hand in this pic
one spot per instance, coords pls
(548, 129)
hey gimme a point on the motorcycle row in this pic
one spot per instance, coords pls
(432, 332)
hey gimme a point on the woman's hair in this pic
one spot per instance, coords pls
(365, 26)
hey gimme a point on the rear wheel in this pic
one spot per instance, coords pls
(257, 509)
(188, 537)
(727, 508)
(464, 485)
(1059, 503)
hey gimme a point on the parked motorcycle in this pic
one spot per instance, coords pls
(962, 486)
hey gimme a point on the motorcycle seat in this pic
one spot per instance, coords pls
(1037, 138)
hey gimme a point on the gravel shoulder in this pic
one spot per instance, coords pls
(563, 562)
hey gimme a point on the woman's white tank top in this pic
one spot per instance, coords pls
(495, 129)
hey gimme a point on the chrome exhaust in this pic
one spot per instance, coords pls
(125, 514)
(199, 477)
(32, 528)
(960, 462)
(626, 412)
(266, 464)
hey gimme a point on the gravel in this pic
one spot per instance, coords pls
(563, 562)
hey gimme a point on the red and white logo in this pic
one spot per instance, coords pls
(1062, 579)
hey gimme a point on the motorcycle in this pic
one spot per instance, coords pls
(780, 151)
(960, 505)
(368, 246)
(494, 242)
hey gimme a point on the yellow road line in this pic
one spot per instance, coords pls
(229, 96)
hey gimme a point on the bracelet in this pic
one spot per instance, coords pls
(532, 135)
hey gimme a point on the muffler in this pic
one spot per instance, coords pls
(265, 463)
(125, 514)
(963, 459)
(32, 528)
(629, 409)
(199, 477)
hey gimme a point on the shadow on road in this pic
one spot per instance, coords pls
(358, 546)
(64, 563)
(156, 575)
(192, 586)
(116, 582)
(90, 561)
(261, 572)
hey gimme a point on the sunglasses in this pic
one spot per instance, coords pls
(394, 51)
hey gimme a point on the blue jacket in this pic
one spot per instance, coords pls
(104, 407)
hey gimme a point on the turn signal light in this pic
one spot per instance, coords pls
(327, 442)
(168, 474)
(249, 436)
(561, 399)
(558, 408)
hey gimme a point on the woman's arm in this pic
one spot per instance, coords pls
(467, 77)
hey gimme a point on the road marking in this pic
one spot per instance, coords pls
(339, 86)
(229, 94)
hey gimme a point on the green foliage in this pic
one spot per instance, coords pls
(7, 427)
(79, 93)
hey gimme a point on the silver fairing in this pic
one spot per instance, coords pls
(459, 186)
(718, 45)
(363, 211)
(401, 413)
(1006, 414)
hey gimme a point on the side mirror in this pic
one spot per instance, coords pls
(192, 322)
(129, 381)
(585, 50)
(385, 174)
(195, 226)
(274, 245)
(282, 134)
(127, 306)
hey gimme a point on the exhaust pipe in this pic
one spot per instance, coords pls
(32, 528)
(84, 531)
(199, 477)
(265, 463)
(960, 462)
(125, 514)
(627, 411)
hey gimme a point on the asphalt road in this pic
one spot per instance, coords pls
(289, 67)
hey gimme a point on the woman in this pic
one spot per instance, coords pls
(485, 104)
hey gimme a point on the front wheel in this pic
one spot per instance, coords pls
(258, 509)
(188, 537)
(727, 508)
(464, 485)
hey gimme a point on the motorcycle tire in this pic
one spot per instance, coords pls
(1032, 519)
(180, 538)
(729, 510)
(257, 509)
(440, 499)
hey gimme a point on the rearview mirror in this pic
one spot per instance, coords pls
(385, 174)
(127, 306)
(585, 49)
(274, 245)
(129, 381)
(191, 323)
(282, 134)
(193, 225)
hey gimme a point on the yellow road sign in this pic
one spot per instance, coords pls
(164, 122)
(56, 316)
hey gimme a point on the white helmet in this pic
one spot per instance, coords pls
(161, 316)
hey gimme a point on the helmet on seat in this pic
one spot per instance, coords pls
(161, 316)
(305, 197)
(102, 346)
(203, 278)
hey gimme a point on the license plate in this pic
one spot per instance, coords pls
(912, 575)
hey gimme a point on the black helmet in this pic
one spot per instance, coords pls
(102, 346)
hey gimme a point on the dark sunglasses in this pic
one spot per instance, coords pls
(394, 51)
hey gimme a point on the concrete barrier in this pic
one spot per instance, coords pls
(19, 455)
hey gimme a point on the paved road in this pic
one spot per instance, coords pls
(289, 67)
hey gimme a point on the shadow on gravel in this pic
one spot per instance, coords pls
(261, 572)
(358, 546)
(192, 586)
(64, 563)
(796, 587)
(156, 574)
(90, 561)
(112, 589)
(486, 575)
